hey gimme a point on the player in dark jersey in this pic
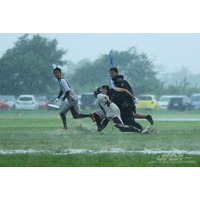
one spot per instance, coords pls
(109, 111)
(120, 82)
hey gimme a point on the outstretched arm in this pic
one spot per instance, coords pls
(123, 90)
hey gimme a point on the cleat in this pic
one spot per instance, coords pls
(150, 119)
(145, 131)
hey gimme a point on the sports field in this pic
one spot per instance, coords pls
(34, 138)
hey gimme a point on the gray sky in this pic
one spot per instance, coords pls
(171, 51)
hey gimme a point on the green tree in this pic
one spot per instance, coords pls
(181, 88)
(27, 67)
(138, 70)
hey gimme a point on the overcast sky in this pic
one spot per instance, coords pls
(171, 51)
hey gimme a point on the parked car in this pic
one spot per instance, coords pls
(26, 102)
(180, 103)
(10, 100)
(147, 101)
(42, 102)
(3, 105)
(196, 100)
(164, 101)
(88, 101)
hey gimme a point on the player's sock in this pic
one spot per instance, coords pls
(150, 119)
(63, 117)
(96, 119)
(138, 126)
(103, 125)
(92, 116)
(84, 115)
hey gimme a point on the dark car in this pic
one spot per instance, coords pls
(88, 101)
(180, 103)
(3, 105)
(10, 100)
(42, 102)
(196, 100)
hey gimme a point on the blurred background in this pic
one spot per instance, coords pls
(162, 69)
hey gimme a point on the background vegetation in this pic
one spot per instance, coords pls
(27, 68)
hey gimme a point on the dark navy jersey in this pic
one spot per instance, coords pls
(120, 82)
(120, 99)
(117, 97)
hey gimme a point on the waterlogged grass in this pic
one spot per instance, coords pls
(40, 130)
(98, 160)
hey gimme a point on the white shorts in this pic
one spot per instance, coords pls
(113, 114)
(100, 113)
(113, 111)
(66, 106)
(116, 121)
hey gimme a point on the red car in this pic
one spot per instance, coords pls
(42, 102)
(3, 105)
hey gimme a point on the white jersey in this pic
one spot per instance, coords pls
(65, 87)
(111, 111)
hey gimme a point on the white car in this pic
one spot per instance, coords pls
(164, 101)
(26, 102)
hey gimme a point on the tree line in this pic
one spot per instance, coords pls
(27, 68)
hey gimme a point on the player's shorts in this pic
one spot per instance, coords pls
(114, 115)
(100, 113)
(73, 107)
(113, 111)
(117, 121)
(127, 114)
(134, 109)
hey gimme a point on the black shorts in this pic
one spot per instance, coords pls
(127, 113)
(133, 107)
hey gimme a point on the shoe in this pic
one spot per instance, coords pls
(145, 131)
(92, 117)
(150, 119)
(94, 126)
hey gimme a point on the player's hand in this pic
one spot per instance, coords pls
(136, 100)
(107, 103)
(56, 101)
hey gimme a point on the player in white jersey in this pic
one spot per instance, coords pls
(111, 111)
(72, 103)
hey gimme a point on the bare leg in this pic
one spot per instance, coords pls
(139, 115)
(63, 117)
(143, 116)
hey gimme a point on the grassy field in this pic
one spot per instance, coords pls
(34, 138)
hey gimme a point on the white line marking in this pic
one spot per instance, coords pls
(90, 151)
(174, 120)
